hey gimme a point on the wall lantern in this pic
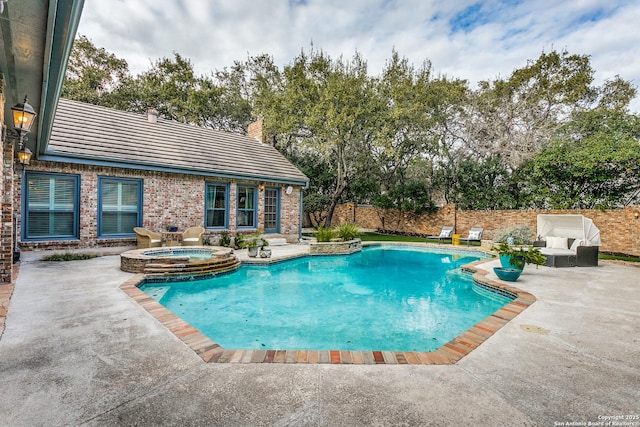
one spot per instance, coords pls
(23, 117)
(261, 187)
(636, 214)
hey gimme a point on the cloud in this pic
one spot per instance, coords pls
(465, 39)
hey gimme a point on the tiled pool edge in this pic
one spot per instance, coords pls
(448, 354)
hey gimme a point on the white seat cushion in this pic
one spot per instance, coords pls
(474, 235)
(155, 241)
(557, 242)
(190, 239)
(555, 251)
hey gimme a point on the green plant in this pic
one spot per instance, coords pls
(520, 233)
(520, 255)
(238, 241)
(324, 234)
(347, 231)
(250, 241)
(225, 239)
(69, 256)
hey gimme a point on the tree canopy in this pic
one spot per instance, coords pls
(409, 139)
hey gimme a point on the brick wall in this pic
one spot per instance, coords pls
(619, 230)
(168, 199)
(6, 204)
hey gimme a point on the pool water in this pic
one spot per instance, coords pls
(383, 298)
(193, 254)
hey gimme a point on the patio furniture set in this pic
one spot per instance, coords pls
(446, 233)
(192, 236)
(565, 240)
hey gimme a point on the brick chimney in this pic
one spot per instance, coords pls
(254, 130)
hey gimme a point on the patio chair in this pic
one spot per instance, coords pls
(475, 235)
(192, 236)
(445, 233)
(147, 238)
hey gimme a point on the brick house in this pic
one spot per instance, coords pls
(106, 171)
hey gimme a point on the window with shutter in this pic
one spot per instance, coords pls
(51, 206)
(119, 206)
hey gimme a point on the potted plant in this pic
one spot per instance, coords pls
(516, 257)
(252, 242)
(264, 251)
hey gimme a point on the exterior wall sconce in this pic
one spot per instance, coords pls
(289, 190)
(23, 117)
(636, 214)
(261, 187)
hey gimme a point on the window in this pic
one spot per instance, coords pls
(51, 206)
(216, 205)
(246, 207)
(119, 206)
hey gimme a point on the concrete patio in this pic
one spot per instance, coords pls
(77, 350)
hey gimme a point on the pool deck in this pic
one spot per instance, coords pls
(78, 350)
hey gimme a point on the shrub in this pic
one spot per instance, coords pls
(521, 233)
(239, 241)
(68, 256)
(225, 239)
(324, 234)
(347, 231)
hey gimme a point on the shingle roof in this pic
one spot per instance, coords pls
(94, 133)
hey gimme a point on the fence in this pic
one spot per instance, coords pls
(619, 228)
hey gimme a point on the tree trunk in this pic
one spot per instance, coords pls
(334, 203)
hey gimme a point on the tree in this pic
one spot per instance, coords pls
(323, 105)
(93, 74)
(513, 118)
(593, 164)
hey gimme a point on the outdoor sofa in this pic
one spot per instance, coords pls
(568, 240)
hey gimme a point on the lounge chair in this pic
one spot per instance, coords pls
(192, 236)
(445, 234)
(475, 235)
(147, 238)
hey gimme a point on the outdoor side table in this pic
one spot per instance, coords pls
(172, 238)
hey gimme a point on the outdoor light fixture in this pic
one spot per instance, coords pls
(636, 214)
(23, 116)
(261, 187)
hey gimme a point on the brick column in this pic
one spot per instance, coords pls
(6, 215)
(6, 220)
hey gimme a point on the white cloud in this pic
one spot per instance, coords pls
(498, 37)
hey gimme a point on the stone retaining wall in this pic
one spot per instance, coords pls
(335, 248)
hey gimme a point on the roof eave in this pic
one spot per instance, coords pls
(52, 156)
(62, 24)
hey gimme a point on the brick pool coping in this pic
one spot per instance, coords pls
(448, 354)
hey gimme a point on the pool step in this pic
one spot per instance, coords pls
(277, 241)
(213, 265)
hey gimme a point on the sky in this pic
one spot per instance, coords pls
(463, 39)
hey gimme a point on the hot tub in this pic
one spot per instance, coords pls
(154, 259)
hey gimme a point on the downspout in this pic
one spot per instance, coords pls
(300, 215)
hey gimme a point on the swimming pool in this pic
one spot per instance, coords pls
(384, 298)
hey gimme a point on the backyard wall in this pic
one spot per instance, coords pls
(168, 198)
(619, 229)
